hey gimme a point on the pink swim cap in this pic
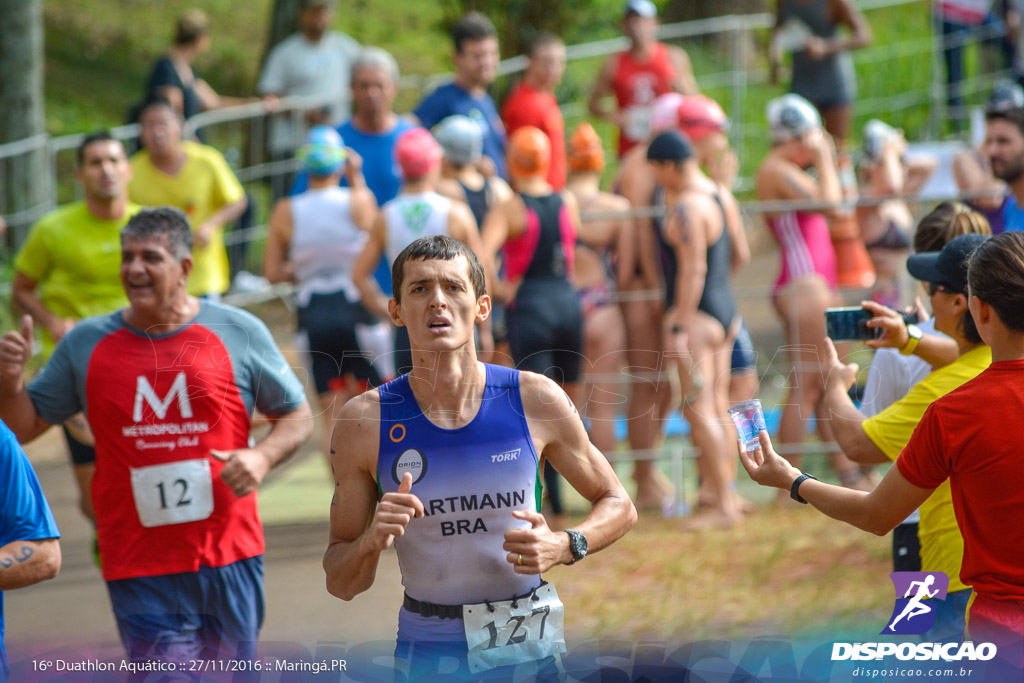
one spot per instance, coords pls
(417, 153)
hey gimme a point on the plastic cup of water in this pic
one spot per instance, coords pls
(749, 420)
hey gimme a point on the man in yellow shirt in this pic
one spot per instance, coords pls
(195, 178)
(881, 438)
(69, 267)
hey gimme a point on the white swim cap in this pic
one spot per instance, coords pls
(791, 116)
(875, 135)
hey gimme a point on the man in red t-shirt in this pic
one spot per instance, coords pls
(533, 103)
(639, 75)
(966, 436)
(169, 385)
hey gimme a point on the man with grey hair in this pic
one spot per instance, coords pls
(169, 385)
(373, 131)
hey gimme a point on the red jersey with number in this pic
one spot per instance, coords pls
(158, 404)
(636, 85)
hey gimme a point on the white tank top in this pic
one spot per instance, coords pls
(325, 243)
(411, 216)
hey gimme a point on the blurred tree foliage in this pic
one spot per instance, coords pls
(686, 10)
(517, 21)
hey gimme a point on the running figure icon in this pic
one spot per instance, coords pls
(916, 607)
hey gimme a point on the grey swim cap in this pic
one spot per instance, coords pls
(461, 138)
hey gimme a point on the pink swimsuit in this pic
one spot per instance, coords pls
(806, 248)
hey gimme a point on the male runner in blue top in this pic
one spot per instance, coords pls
(451, 452)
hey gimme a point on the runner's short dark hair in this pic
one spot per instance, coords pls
(1014, 116)
(472, 26)
(437, 248)
(98, 136)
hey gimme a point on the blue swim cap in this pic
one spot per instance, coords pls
(324, 151)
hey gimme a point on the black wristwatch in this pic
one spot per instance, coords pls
(577, 545)
(794, 490)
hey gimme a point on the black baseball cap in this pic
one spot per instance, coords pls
(949, 266)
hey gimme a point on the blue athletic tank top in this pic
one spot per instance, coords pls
(469, 480)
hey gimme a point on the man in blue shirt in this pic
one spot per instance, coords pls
(372, 132)
(29, 550)
(1004, 147)
(476, 65)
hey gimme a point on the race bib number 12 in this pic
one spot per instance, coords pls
(174, 493)
(515, 631)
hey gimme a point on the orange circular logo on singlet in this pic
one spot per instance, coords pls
(397, 438)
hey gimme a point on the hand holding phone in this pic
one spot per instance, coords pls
(850, 323)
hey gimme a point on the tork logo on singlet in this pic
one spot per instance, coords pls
(507, 456)
(144, 392)
(411, 460)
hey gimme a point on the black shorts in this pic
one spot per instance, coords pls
(81, 453)
(545, 331)
(329, 322)
(906, 548)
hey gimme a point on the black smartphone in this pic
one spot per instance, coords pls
(850, 323)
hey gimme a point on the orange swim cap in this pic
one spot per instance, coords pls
(586, 153)
(529, 153)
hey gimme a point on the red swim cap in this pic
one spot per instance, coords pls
(417, 153)
(700, 116)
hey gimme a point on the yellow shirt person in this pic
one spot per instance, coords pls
(203, 185)
(942, 546)
(76, 259)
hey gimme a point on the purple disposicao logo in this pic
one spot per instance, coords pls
(914, 613)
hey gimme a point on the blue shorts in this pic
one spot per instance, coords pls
(744, 357)
(214, 613)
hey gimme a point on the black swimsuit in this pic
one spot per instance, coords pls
(717, 299)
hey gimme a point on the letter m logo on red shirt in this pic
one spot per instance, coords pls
(144, 392)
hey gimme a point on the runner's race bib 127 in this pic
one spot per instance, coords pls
(515, 631)
(173, 493)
